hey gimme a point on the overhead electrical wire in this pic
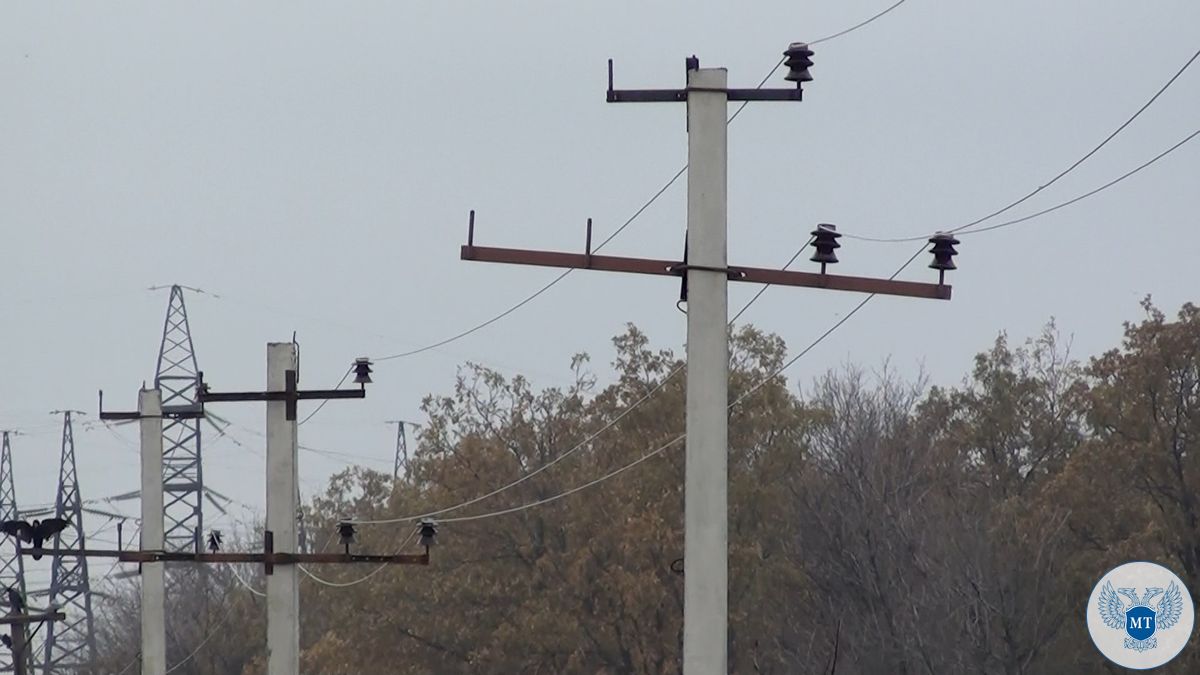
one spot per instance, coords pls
(767, 379)
(681, 437)
(653, 198)
(839, 323)
(365, 577)
(858, 25)
(323, 402)
(246, 584)
(208, 638)
(1127, 174)
(578, 446)
(966, 229)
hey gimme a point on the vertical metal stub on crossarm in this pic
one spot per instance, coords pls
(587, 246)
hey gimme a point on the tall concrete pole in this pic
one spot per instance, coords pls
(706, 595)
(154, 633)
(283, 588)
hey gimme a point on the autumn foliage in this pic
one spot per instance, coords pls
(877, 525)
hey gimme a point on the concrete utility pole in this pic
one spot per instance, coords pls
(279, 556)
(705, 598)
(19, 637)
(283, 491)
(706, 274)
(154, 633)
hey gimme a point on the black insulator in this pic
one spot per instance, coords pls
(798, 61)
(428, 533)
(943, 251)
(362, 371)
(825, 241)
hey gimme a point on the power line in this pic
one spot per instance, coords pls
(209, 637)
(245, 584)
(966, 228)
(805, 351)
(1164, 153)
(331, 454)
(856, 26)
(367, 576)
(761, 383)
(324, 401)
(681, 437)
(582, 444)
(653, 198)
(577, 488)
(579, 446)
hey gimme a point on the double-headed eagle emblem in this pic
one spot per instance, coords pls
(1138, 618)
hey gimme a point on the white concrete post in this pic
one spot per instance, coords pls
(706, 551)
(154, 637)
(283, 588)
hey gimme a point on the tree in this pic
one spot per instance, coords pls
(876, 524)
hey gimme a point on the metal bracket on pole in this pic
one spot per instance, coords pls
(269, 558)
(268, 552)
(680, 95)
(674, 268)
(115, 416)
(290, 394)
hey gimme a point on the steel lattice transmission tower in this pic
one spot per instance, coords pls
(70, 644)
(401, 466)
(12, 566)
(183, 477)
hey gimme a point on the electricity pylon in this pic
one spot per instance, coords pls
(70, 643)
(12, 567)
(183, 476)
(401, 447)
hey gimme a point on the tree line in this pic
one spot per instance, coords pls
(878, 524)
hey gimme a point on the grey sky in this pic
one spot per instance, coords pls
(313, 165)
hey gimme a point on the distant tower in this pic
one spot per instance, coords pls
(70, 644)
(401, 447)
(12, 567)
(183, 477)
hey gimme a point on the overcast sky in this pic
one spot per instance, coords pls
(310, 166)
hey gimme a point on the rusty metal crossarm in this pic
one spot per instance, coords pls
(759, 275)
(229, 396)
(7, 619)
(678, 95)
(262, 558)
(290, 395)
(178, 413)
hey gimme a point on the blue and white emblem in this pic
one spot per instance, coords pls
(1140, 615)
(1140, 619)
